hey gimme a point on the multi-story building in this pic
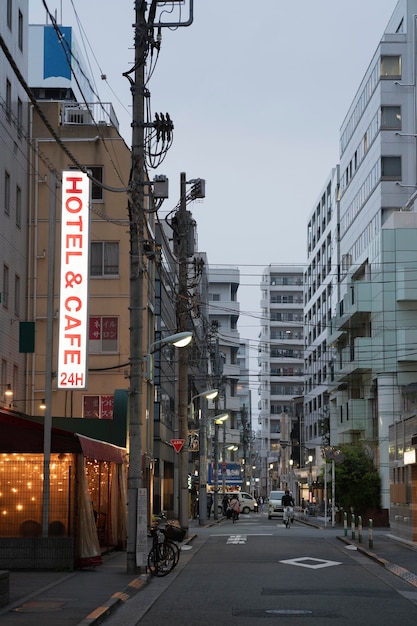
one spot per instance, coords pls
(281, 373)
(320, 297)
(13, 194)
(223, 312)
(372, 375)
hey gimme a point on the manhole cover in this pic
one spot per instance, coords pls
(45, 606)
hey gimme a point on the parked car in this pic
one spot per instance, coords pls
(275, 508)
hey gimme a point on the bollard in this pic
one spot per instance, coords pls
(345, 523)
(360, 528)
(371, 533)
(352, 525)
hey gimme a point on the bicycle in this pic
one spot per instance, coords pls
(164, 555)
(287, 516)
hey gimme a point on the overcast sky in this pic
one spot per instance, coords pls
(257, 91)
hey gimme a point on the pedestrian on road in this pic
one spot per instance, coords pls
(209, 504)
(235, 507)
(225, 504)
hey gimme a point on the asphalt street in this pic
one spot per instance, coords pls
(256, 571)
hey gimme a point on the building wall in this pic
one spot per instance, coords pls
(13, 196)
(372, 326)
(281, 361)
(108, 358)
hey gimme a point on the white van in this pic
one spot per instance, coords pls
(275, 507)
(247, 502)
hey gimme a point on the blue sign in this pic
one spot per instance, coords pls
(232, 472)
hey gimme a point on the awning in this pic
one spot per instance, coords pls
(20, 435)
(101, 450)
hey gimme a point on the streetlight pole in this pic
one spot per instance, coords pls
(202, 500)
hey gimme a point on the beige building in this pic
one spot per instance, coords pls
(104, 152)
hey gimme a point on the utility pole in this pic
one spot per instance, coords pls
(182, 315)
(144, 38)
(137, 526)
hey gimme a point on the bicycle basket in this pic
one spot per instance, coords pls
(174, 532)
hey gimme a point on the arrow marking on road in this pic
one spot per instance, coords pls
(310, 562)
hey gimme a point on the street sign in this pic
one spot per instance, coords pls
(177, 444)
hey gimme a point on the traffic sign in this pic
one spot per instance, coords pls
(177, 444)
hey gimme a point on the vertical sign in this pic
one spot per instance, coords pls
(142, 529)
(73, 303)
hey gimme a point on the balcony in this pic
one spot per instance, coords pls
(354, 359)
(406, 285)
(352, 417)
(355, 304)
(407, 345)
(75, 114)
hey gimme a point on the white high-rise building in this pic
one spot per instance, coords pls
(281, 373)
(361, 369)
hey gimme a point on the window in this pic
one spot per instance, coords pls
(214, 297)
(5, 293)
(390, 117)
(104, 260)
(103, 335)
(96, 189)
(18, 206)
(391, 168)
(17, 295)
(8, 100)
(20, 31)
(98, 407)
(7, 193)
(9, 13)
(19, 118)
(390, 67)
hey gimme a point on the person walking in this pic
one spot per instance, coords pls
(235, 507)
(209, 504)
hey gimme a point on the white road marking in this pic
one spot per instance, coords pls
(307, 561)
(237, 539)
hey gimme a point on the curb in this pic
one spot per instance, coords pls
(117, 598)
(399, 571)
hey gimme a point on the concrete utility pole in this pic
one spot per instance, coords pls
(137, 499)
(136, 219)
(182, 315)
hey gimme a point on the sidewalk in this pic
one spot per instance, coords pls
(85, 597)
(396, 555)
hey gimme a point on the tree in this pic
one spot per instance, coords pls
(358, 484)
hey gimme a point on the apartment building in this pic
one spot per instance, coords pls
(13, 195)
(320, 298)
(223, 314)
(370, 354)
(281, 369)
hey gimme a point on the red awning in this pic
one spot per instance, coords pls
(21, 435)
(101, 450)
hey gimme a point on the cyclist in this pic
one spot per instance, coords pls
(287, 502)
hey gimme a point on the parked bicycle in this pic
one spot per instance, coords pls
(165, 552)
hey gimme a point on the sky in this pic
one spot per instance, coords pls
(257, 91)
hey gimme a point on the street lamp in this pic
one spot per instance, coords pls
(137, 497)
(179, 340)
(9, 390)
(209, 394)
(218, 420)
